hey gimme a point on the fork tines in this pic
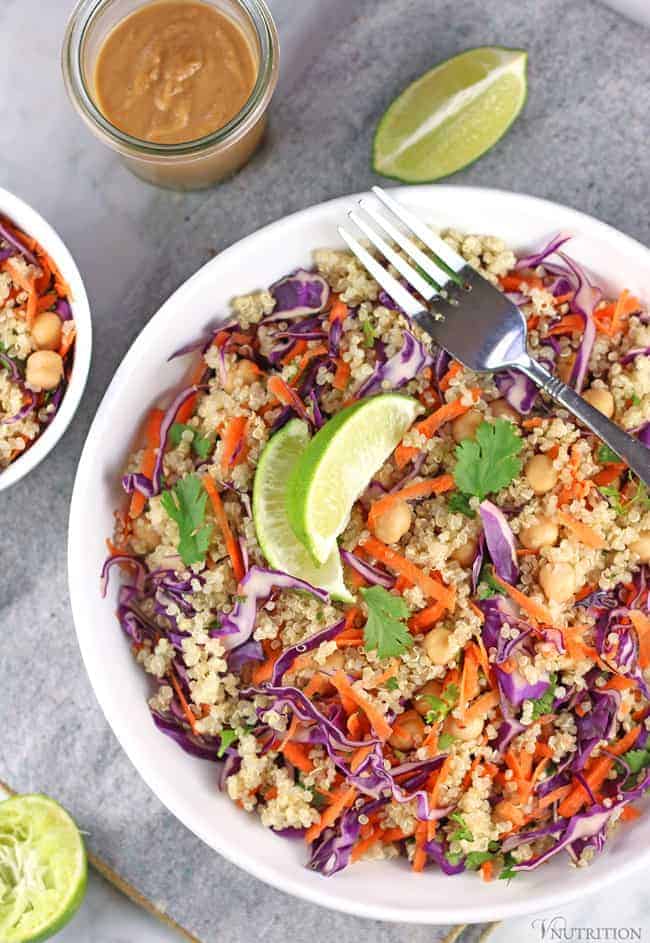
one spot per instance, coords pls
(434, 269)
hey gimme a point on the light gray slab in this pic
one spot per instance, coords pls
(582, 140)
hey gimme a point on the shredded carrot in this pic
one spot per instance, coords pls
(425, 618)
(283, 392)
(429, 426)
(440, 779)
(377, 720)
(359, 756)
(191, 719)
(532, 423)
(610, 319)
(597, 774)
(555, 796)
(364, 844)
(294, 352)
(296, 753)
(148, 461)
(619, 683)
(306, 359)
(453, 371)
(420, 856)
(514, 282)
(342, 374)
(534, 609)
(338, 312)
(569, 324)
(587, 535)
(234, 551)
(432, 588)
(630, 814)
(233, 450)
(264, 670)
(609, 474)
(341, 799)
(487, 869)
(420, 489)
(641, 624)
(383, 676)
(481, 706)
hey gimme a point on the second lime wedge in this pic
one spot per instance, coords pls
(277, 541)
(338, 464)
(451, 115)
(42, 869)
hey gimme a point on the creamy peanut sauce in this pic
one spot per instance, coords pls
(174, 71)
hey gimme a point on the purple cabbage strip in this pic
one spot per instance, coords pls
(168, 421)
(371, 574)
(517, 390)
(399, 369)
(17, 244)
(120, 559)
(203, 748)
(11, 366)
(436, 851)
(500, 542)
(537, 258)
(248, 651)
(299, 294)
(287, 658)
(63, 310)
(634, 353)
(255, 588)
(517, 689)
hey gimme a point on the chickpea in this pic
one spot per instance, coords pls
(46, 331)
(421, 701)
(540, 474)
(641, 546)
(465, 426)
(542, 532)
(44, 369)
(243, 373)
(439, 647)
(408, 731)
(459, 731)
(600, 399)
(558, 580)
(393, 523)
(465, 554)
(501, 409)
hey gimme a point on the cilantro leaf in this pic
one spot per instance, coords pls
(462, 833)
(459, 504)
(445, 740)
(385, 630)
(606, 455)
(441, 706)
(200, 443)
(636, 399)
(490, 461)
(368, 333)
(637, 760)
(508, 872)
(227, 738)
(613, 495)
(185, 504)
(475, 859)
(641, 498)
(490, 585)
(544, 704)
(392, 684)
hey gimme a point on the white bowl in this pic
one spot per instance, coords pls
(32, 223)
(382, 890)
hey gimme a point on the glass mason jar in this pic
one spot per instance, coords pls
(191, 165)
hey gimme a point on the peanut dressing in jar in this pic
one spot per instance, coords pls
(174, 71)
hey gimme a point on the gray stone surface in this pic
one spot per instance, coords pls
(582, 140)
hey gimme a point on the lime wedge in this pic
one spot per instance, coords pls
(42, 869)
(337, 465)
(451, 115)
(277, 541)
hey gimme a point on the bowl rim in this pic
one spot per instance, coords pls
(317, 894)
(36, 226)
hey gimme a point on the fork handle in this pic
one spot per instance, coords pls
(633, 452)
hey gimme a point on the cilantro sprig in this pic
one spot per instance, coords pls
(441, 706)
(385, 631)
(488, 586)
(544, 704)
(490, 461)
(605, 455)
(462, 833)
(640, 498)
(458, 503)
(185, 504)
(200, 443)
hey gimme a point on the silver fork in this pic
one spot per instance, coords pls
(471, 319)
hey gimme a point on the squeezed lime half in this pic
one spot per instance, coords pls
(277, 541)
(43, 869)
(338, 464)
(451, 115)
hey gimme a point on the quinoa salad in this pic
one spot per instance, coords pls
(37, 335)
(473, 694)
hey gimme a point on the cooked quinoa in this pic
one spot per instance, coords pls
(490, 740)
(36, 341)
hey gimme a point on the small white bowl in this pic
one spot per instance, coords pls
(381, 890)
(33, 224)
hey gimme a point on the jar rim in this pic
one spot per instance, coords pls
(80, 21)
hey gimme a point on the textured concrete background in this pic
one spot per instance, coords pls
(582, 140)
